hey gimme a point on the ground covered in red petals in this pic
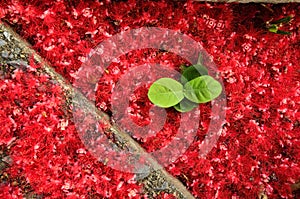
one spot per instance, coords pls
(259, 146)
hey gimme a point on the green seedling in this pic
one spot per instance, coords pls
(274, 26)
(196, 87)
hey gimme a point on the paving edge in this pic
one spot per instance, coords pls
(174, 187)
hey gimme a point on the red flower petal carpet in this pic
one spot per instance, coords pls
(258, 148)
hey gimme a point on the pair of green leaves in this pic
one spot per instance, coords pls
(196, 87)
(274, 25)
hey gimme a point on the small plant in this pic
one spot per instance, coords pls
(274, 26)
(195, 87)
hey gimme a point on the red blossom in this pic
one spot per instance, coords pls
(259, 143)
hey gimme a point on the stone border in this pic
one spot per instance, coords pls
(18, 53)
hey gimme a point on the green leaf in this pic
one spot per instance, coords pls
(165, 92)
(282, 20)
(202, 89)
(193, 72)
(185, 105)
(283, 32)
(273, 28)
